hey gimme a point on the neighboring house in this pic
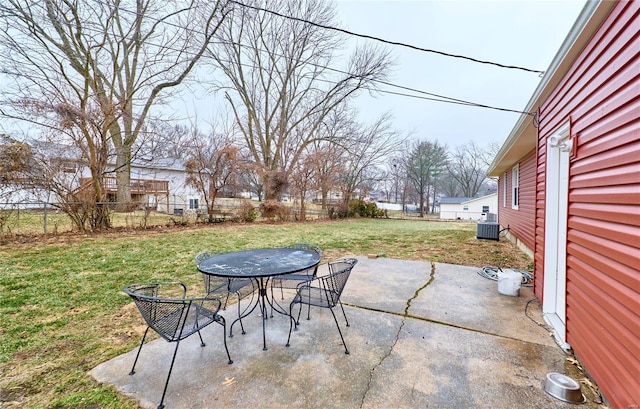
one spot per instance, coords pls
(569, 190)
(180, 196)
(333, 197)
(23, 193)
(465, 208)
(159, 184)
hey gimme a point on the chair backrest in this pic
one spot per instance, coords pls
(334, 283)
(199, 258)
(309, 247)
(168, 315)
(341, 264)
(211, 283)
(306, 246)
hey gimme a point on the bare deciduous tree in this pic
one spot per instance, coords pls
(278, 78)
(366, 150)
(15, 162)
(60, 173)
(327, 160)
(161, 139)
(100, 67)
(301, 181)
(213, 162)
(251, 178)
(468, 165)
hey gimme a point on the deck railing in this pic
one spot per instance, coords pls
(138, 186)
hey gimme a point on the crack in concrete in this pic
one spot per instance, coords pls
(405, 315)
(448, 324)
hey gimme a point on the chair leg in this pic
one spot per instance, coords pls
(240, 316)
(202, 344)
(346, 351)
(308, 303)
(308, 307)
(220, 320)
(291, 322)
(166, 384)
(226, 301)
(138, 354)
(298, 318)
(345, 315)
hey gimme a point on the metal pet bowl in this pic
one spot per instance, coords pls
(562, 387)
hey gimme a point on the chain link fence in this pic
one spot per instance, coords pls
(34, 218)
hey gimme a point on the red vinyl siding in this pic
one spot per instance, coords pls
(600, 97)
(520, 220)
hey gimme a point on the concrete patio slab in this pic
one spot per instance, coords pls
(421, 335)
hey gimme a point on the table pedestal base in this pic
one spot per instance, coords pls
(264, 302)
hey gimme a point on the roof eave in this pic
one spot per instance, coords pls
(523, 136)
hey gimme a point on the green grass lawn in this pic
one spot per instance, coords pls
(62, 311)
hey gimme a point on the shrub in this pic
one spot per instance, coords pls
(359, 207)
(270, 209)
(356, 208)
(247, 213)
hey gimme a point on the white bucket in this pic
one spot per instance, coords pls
(509, 282)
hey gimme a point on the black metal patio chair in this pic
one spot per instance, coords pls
(324, 292)
(167, 310)
(293, 280)
(225, 287)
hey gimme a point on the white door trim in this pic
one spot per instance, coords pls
(555, 240)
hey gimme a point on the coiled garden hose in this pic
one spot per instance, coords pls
(491, 272)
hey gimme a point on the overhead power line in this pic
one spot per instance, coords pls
(430, 96)
(451, 101)
(382, 40)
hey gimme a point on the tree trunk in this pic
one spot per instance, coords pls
(324, 194)
(123, 178)
(99, 215)
(303, 208)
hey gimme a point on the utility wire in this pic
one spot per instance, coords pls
(471, 104)
(431, 96)
(382, 40)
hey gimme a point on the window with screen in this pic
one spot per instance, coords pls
(515, 176)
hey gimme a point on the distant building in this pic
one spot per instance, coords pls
(465, 208)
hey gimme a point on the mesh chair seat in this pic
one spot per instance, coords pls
(224, 287)
(324, 292)
(294, 280)
(170, 323)
(166, 309)
(318, 297)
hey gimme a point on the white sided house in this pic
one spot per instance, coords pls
(159, 184)
(178, 198)
(464, 208)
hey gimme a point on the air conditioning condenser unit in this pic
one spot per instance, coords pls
(488, 231)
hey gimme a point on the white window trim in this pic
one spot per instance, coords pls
(505, 189)
(515, 187)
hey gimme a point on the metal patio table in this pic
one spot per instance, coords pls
(259, 265)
